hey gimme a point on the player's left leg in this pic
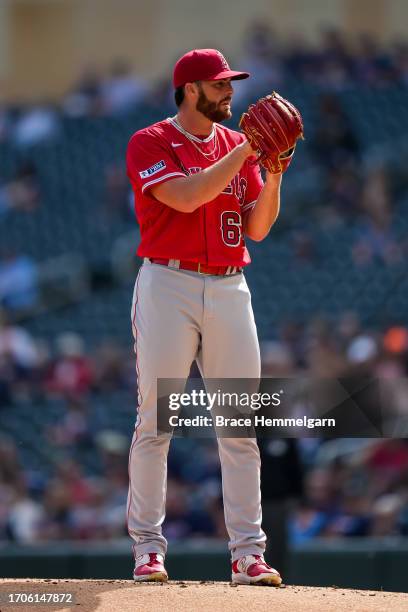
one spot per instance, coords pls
(230, 349)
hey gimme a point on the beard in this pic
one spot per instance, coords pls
(214, 111)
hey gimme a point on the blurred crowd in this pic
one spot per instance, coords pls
(341, 487)
(345, 487)
(31, 369)
(334, 62)
(355, 488)
(35, 369)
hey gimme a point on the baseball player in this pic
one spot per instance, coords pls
(197, 196)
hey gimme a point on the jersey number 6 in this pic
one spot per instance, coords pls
(231, 228)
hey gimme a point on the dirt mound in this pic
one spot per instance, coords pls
(179, 596)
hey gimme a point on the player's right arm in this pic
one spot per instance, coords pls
(154, 170)
(190, 192)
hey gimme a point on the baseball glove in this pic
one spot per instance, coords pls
(273, 126)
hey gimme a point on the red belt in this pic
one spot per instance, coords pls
(197, 267)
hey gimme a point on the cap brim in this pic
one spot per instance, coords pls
(230, 74)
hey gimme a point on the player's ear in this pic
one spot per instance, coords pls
(191, 89)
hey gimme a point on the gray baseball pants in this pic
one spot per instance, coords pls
(179, 316)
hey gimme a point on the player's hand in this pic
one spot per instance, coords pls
(247, 149)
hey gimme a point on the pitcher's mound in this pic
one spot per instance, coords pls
(180, 596)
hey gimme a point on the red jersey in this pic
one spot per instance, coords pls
(212, 234)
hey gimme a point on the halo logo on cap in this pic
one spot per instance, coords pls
(223, 60)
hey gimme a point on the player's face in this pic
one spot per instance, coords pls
(214, 99)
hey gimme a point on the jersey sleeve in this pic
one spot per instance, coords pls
(149, 162)
(254, 186)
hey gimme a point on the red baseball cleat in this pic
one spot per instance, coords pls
(150, 568)
(252, 569)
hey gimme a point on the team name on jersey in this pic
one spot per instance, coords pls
(153, 169)
(237, 187)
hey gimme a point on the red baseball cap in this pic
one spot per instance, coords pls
(204, 65)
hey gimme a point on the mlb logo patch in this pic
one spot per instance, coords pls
(153, 169)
